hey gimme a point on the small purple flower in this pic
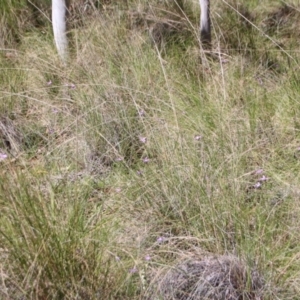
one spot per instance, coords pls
(147, 257)
(263, 178)
(49, 83)
(3, 156)
(118, 190)
(146, 160)
(51, 130)
(257, 185)
(258, 171)
(224, 60)
(119, 158)
(161, 239)
(197, 137)
(143, 139)
(133, 270)
(142, 113)
(71, 85)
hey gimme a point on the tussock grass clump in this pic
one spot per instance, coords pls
(53, 246)
(212, 277)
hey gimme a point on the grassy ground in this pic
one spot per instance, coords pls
(144, 154)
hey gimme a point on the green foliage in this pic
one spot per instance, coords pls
(18, 16)
(10, 19)
(145, 152)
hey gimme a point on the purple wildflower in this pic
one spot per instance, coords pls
(258, 171)
(3, 156)
(133, 270)
(146, 159)
(147, 257)
(257, 185)
(161, 239)
(51, 130)
(143, 139)
(71, 85)
(142, 113)
(263, 178)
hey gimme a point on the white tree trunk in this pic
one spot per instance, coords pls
(59, 12)
(205, 30)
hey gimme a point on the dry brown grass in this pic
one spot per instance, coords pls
(223, 277)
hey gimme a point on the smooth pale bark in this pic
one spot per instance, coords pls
(59, 13)
(205, 30)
